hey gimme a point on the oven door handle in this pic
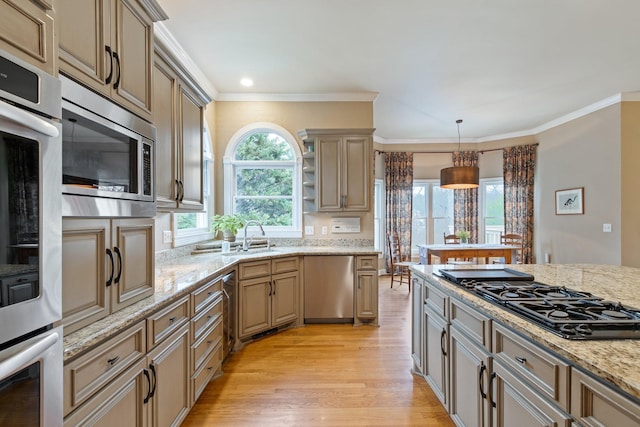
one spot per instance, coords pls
(27, 119)
(21, 355)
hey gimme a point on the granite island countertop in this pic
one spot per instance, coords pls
(616, 361)
(178, 277)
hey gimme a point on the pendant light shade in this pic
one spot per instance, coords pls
(460, 177)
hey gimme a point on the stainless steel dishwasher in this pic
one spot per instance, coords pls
(328, 289)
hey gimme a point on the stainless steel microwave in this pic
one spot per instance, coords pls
(107, 157)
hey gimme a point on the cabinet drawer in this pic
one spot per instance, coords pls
(208, 316)
(209, 369)
(203, 347)
(250, 270)
(161, 324)
(471, 322)
(87, 374)
(205, 294)
(437, 300)
(367, 262)
(545, 372)
(595, 404)
(284, 265)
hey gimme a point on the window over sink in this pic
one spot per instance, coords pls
(262, 165)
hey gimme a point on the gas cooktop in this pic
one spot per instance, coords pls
(569, 313)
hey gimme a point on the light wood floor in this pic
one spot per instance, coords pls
(326, 375)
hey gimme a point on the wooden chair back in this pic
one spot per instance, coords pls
(451, 239)
(513, 239)
(400, 272)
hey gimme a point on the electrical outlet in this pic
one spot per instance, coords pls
(167, 236)
(324, 229)
(309, 230)
(606, 228)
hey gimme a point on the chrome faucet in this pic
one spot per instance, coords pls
(245, 245)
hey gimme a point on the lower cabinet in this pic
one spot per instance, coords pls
(470, 367)
(366, 288)
(417, 326)
(268, 294)
(436, 351)
(518, 404)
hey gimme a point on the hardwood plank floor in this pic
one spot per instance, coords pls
(326, 375)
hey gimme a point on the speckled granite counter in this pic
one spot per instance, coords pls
(617, 361)
(177, 277)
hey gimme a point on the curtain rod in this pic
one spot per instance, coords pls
(454, 151)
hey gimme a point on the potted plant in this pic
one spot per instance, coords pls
(228, 224)
(463, 235)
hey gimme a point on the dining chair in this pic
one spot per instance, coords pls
(452, 239)
(399, 267)
(512, 239)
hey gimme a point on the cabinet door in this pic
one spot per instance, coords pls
(132, 42)
(517, 404)
(165, 86)
(83, 38)
(121, 403)
(255, 306)
(284, 298)
(355, 173)
(132, 241)
(469, 381)
(86, 269)
(169, 364)
(26, 31)
(367, 294)
(417, 325)
(436, 367)
(328, 171)
(191, 122)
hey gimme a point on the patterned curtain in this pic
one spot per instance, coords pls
(465, 202)
(518, 167)
(399, 198)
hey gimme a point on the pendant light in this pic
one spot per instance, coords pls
(460, 177)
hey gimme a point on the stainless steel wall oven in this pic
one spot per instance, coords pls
(30, 245)
(107, 157)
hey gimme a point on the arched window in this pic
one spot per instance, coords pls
(262, 178)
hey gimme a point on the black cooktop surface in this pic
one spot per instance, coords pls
(569, 313)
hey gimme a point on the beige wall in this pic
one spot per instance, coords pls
(226, 118)
(582, 153)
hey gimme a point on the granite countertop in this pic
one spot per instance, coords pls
(176, 278)
(616, 361)
(16, 269)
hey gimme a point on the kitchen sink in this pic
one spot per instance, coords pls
(254, 251)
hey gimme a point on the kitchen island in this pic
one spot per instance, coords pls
(503, 337)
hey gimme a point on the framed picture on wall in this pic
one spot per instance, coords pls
(570, 201)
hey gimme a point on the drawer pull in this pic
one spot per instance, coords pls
(209, 293)
(210, 342)
(113, 361)
(483, 368)
(522, 360)
(491, 378)
(146, 374)
(442, 342)
(209, 317)
(172, 319)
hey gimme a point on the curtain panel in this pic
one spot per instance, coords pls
(518, 173)
(399, 198)
(465, 202)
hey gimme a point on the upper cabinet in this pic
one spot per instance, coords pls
(26, 31)
(178, 112)
(107, 45)
(337, 169)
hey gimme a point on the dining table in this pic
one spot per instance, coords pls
(466, 251)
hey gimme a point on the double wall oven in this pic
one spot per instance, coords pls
(30, 245)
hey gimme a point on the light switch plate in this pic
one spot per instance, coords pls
(309, 230)
(606, 228)
(166, 236)
(324, 229)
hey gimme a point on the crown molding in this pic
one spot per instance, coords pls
(154, 10)
(299, 97)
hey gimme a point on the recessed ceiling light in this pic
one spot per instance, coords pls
(246, 82)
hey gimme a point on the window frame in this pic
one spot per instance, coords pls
(231, 165)
(482, 205)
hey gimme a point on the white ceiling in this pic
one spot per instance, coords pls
(504, 66)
